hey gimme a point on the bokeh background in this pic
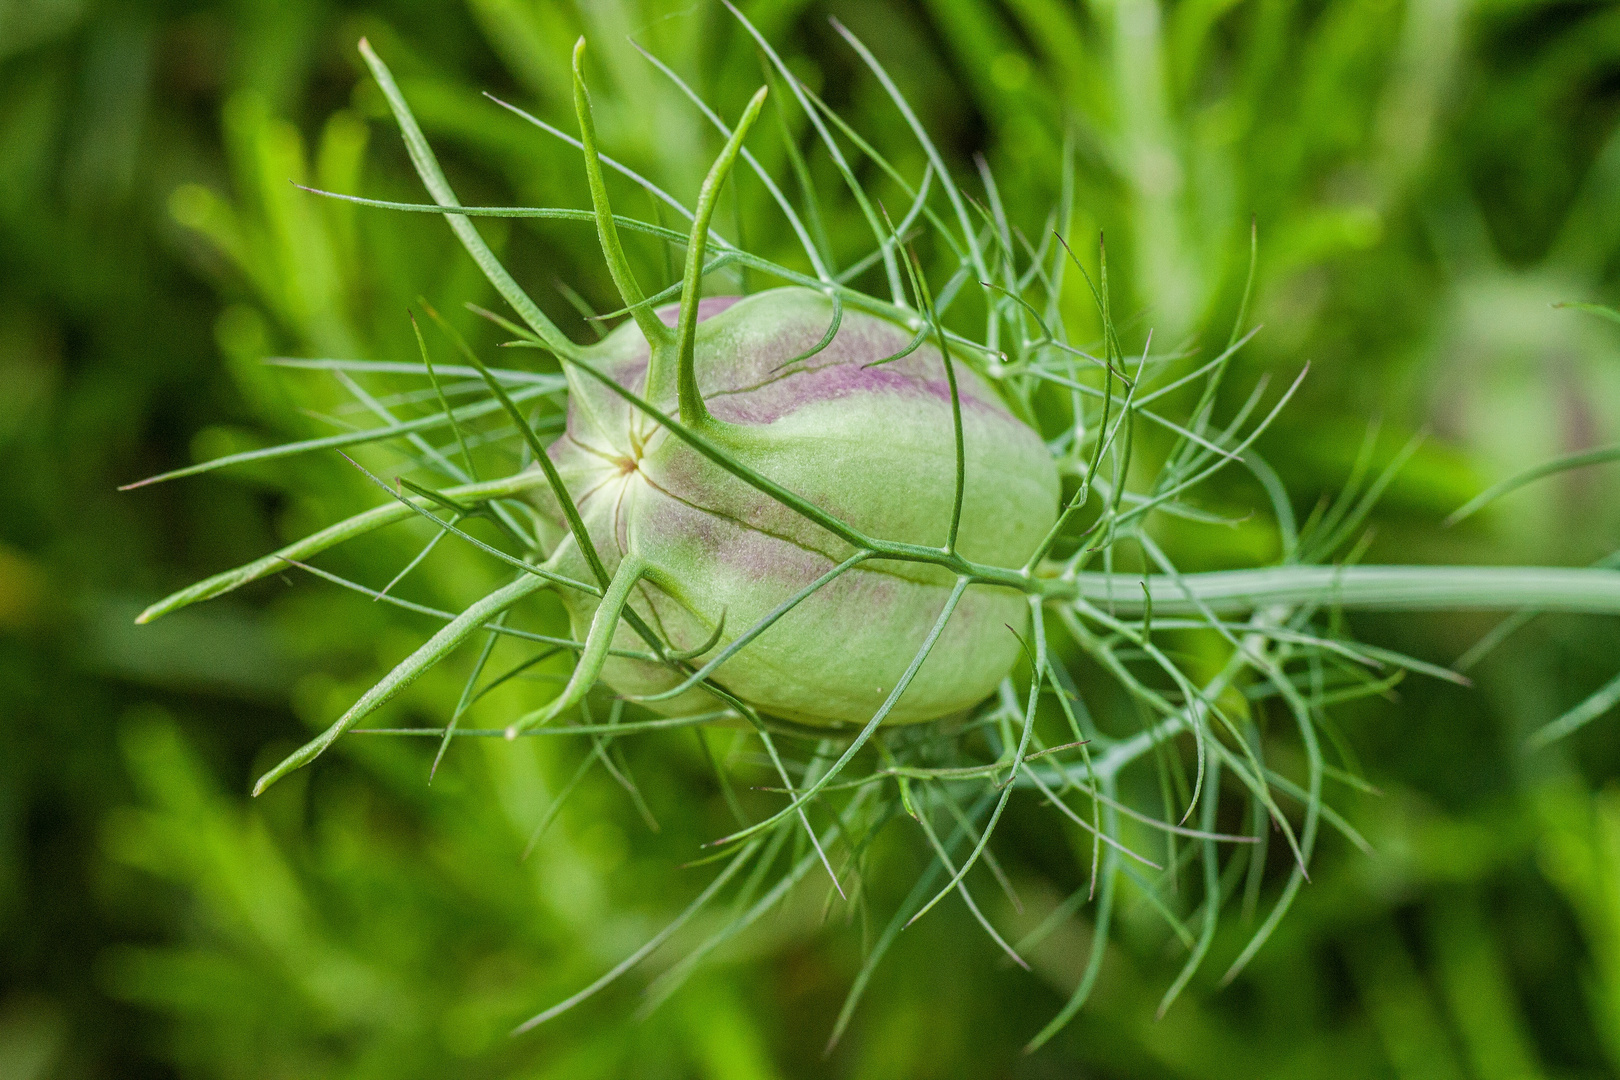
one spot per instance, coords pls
(1428, 177)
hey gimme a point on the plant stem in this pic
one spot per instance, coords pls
(1594, 591)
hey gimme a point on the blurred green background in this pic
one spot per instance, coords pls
(1428, 178)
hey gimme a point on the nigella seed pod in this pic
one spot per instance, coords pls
(872, 444)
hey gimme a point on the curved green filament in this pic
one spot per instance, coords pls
(597, 641)
(1519, 480)
(624, 278)
(961, 888)
(927, 144)
(729, 255)
(811, 252)
(683, 655)
(448, 527)
(692, 410)
(406, 672)
(925, 298)
(495, 629)
(1038, 667)
(536, 388)
(427, 167)
(911, 346)
(316, 542)
(865, 733)
(765, 623)
(559, 490)
(856, 189)
(738, 861)
(826, 338)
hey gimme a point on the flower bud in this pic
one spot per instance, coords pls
(871, 444)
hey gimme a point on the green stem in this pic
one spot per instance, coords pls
(1589, 590)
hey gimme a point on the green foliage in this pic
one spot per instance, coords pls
(356, 920)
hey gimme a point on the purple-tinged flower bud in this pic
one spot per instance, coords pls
(873, 445)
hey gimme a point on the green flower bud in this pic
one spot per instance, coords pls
(872, 444)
